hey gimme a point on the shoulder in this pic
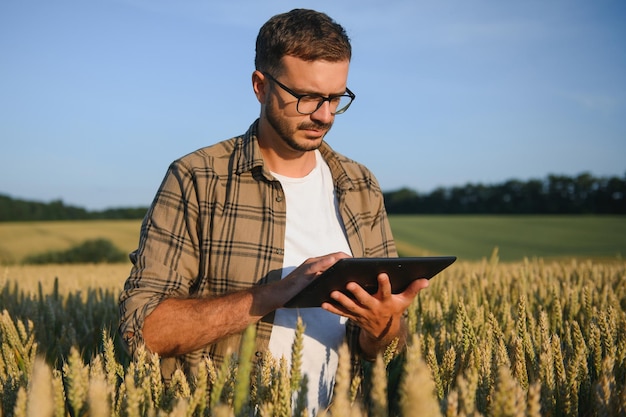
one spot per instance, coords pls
(348, 173)
(212, 156)
(232, 156)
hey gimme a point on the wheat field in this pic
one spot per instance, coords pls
(530, 338)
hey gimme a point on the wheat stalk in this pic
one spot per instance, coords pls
(242, 383)
(417, 390)
(555, 332)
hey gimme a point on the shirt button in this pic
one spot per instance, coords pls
(279, 251)
(279, 198)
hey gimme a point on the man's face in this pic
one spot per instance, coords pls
(297, 131)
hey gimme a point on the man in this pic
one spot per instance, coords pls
(238, 228)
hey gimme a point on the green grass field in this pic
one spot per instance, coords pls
(468, 237)
(516, 237)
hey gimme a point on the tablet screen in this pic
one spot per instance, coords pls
(364, 271)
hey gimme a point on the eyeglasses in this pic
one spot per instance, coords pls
(310, 103)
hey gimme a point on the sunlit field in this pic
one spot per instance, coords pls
(467, 237)
(536, 327)
(517, 237)
(20, 239)
(527, 338)
(71, 278)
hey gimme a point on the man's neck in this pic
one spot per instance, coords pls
(282, 159)
(293, 167)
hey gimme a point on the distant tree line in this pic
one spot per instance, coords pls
(12, 209)
(557, 194)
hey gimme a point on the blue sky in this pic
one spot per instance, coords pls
(98, 97)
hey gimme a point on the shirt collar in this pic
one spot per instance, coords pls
(249, 152)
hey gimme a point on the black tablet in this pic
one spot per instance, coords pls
(364, 271)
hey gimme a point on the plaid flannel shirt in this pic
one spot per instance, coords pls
(217, 225)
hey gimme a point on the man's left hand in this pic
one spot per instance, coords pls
(378, 315)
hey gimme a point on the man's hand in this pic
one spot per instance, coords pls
(304, 274)
(181, 325)
(378, 315)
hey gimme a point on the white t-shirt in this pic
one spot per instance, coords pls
(314, 228)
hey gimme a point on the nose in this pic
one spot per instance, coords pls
(323, 114)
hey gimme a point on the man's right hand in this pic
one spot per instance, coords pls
(304, 274)
(182, 325)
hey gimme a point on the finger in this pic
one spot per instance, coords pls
(384, 286)
(414, 288)
(360, 295)
(348, 301)
(337, 309)
(322, 263)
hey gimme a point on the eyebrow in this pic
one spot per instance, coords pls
(312, 93)
(315, 93)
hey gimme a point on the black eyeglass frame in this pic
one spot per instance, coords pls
(349, 94)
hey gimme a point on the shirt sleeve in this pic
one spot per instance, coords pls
(166, 262)
(373, 234)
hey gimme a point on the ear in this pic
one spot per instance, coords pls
(259, 85)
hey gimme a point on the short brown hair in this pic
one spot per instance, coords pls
(301, 33)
